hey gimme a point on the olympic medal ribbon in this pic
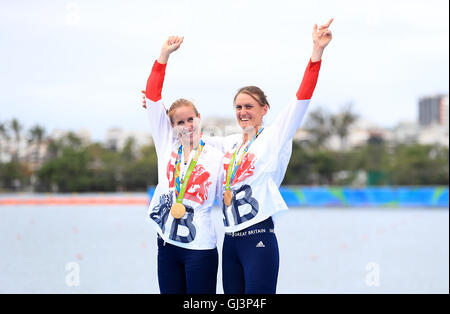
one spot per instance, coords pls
(232, 169)
(178, 210)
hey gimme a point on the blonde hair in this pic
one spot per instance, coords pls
(181, 103)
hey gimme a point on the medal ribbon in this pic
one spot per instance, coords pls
(181, 189)
(231, 171)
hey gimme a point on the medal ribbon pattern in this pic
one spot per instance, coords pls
(181, 184)
(231, 171)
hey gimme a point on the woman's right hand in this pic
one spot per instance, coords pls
(170, 45)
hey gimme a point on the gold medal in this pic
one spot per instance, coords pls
(228, 197)
(178, 210)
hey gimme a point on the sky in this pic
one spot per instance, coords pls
(81, 64)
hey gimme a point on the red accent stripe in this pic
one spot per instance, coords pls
(74, 201)
(155, 82)
(309, 81)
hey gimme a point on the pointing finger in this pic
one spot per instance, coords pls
(324, 26)
(329, 23)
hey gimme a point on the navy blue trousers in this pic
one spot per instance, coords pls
(184, 271)
(250, 260)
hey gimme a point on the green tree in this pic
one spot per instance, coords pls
(104, 166)
(300, 168)
(144, 172)
(420, 165)
(69, 173)
(14, 175)
(95, 168)
(311, 166)
(377, 161)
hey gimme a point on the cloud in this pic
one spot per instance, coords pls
(98, 53)
(72, 14)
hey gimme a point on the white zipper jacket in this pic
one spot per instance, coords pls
(195, 230)
(258, 178)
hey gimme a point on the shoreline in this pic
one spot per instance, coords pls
(75, 199)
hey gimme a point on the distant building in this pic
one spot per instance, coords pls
(220, 127)
(34, 154)
(5, 150)
(406, 132)
(358, 135)
(363, 130)
(434, 134)
(433, 110)
(444, 112)
(116, 138)
(83, 134)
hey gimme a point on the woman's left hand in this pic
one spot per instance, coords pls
(321, 38)
(322, 35)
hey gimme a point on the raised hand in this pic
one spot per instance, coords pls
(321, 38)
(170, 45)
(322, 35)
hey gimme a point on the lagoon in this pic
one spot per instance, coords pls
(322, 250)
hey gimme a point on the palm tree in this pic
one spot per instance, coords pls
(318, 125)
(342, 122)
(16, 127)
(36, 136)
(3, 135)
(73, 141)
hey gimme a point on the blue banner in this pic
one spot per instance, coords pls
(363, 197)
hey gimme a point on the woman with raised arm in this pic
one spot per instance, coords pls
(255, 163)
(189, 176)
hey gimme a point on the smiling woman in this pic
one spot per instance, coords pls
(174, 114)
(189, 172)
(251, 106)
(255, 163)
